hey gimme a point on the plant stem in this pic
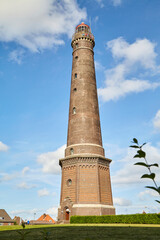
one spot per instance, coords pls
(151, 173)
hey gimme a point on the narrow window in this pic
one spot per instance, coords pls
(76, 57)
(74, 110)
(71, 151)
(76, 45)
(75, 75)
(75, 89)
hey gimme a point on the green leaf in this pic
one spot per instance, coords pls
(143, 145)
(157, 201)
(134, 146)
(153, 165)
(135, 140)
(146, 165)
(151, 176)
(154, 188)
(137, 156)
(141, 153)
(141, 164)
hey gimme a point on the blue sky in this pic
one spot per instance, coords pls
(35, 74)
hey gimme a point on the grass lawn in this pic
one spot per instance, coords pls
(83, 232)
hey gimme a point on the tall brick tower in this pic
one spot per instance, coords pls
(85, 186)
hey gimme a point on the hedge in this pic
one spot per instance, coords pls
(130, 218)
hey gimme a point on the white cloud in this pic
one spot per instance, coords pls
(128, 173)
(43, 192)
(141, 51)
(121, 202)
(25, 170)
(98, 66)
(24, 185)
(53, 212)
(30, 214)
(156, 121)
(50, 160)
(16, 56)
(3, 147)
(147, 193)
(100, 2)
(38, 24)
(114, 151)
(131, 58)
(26, 214)
(96, 19)
(116, 2)
(7, 177)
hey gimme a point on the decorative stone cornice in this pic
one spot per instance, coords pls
(83, 48)
(92, 206)
(88, 159)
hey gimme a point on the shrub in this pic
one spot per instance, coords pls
(130, 219)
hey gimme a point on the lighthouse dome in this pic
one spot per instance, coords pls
(83, 28)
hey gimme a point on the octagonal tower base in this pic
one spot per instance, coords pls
(86, 187)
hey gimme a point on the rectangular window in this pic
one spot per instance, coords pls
(75, 75)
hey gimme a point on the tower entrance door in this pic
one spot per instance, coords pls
(67, 216)
(66, 213)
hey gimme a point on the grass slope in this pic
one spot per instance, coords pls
(86, 232)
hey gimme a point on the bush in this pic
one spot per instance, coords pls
(130, 219)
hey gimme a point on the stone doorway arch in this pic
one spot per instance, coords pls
(66, 213)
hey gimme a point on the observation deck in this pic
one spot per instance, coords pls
(83, 31)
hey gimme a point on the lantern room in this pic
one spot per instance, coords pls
(83, 28)
(82, 31)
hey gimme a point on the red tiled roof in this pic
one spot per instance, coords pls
(82, 24)
(46, 218)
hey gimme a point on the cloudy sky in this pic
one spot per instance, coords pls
(35, 74)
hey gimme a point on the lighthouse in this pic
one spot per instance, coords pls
(85, 183)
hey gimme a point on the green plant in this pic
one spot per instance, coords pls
(151, 175)
(45, 234)
(23, 233)
(128, 219)
(23, 225)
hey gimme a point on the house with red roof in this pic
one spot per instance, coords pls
(44, 219)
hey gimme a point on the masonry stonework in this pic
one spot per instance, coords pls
(86, 185)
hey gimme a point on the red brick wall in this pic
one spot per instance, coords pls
(84, 126)
(105, 185)
(88, 185)
(69, 190)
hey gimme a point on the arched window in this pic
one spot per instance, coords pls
(71, 151)
(74, 110)
(69, 182)
(75, 75)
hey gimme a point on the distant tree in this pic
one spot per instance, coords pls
(23, 225)
(141, 154)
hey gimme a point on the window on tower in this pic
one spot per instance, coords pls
(74, 89)
(76, 57)
(74, 110)
(75, 75)
(71, 151)
(69, 182)
(76, 45)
